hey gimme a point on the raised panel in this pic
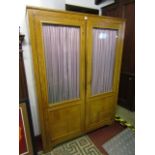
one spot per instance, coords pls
(100, 109)
(127, 91)
(129, 41)
(65, 121)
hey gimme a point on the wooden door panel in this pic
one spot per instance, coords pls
(100, 106)
(65, 121)
(99, 110)
(61, 119)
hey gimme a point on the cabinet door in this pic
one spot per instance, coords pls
(104, 52)
(58, 54)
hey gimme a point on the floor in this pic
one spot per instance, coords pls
(126, 115)
(101, 135)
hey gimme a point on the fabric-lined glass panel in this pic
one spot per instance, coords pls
(62, 47)
(103, 58)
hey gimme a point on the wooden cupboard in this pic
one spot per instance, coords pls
(126, 9)
(77, 59)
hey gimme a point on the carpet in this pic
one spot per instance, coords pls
(121, 144)
(80, 146)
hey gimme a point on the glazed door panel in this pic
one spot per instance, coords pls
(60, 74)
(103, 59)
(62, 49)
(104, 51)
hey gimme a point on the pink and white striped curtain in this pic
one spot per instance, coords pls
(104, 44)
(62, 47)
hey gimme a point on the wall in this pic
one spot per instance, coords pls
(89, 3)
(55, 4)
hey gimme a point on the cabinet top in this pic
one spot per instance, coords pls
(42, 9)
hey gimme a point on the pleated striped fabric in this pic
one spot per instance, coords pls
(104, 44)
(62, 46)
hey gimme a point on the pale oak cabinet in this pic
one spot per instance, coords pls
(77, 59)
